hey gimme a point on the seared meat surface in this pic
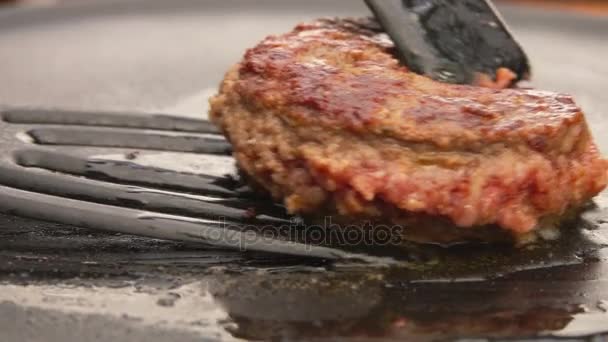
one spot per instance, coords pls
(327, 120)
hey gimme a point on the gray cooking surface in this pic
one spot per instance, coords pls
(60, 283)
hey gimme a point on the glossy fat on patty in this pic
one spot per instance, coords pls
(327, 120)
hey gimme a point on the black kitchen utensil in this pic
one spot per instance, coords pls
(451, 40)
(158, 176)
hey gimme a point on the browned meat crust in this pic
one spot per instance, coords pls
(326, 119)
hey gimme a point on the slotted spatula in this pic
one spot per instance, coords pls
(152, 175)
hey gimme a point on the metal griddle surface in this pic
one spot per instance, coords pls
(62, 283)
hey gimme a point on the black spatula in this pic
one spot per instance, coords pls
(453, 41)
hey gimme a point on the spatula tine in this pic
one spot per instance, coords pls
(130, 138)
(107, 119)
(235, 209)
(171, 227)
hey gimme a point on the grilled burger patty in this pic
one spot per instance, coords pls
(327, 120)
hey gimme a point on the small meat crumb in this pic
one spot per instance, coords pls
(504, 79)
